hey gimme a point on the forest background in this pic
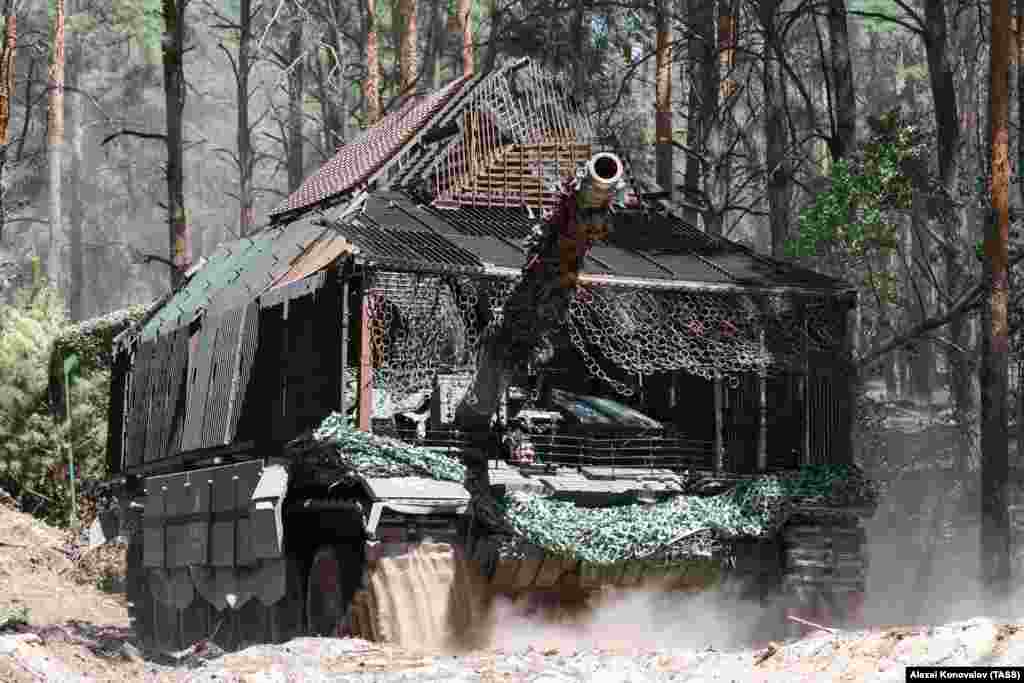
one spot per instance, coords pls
(853, 136)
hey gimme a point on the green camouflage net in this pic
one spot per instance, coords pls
(378, 456)
(687, 526)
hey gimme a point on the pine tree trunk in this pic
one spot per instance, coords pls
(703, 101)
(7, 52)
(54, 146)
(947, 122)
(663, 96)
(296, 78)
(372, 85)
(407, 54)
(174, 96)
(432, 60)
(923, 364)
(1020, 107)
(76, 215)
(775, 132)
(243, 134)
(466, 25)
(841, 68)
(995, 523)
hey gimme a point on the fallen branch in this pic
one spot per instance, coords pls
(812, 624)
(134, 134)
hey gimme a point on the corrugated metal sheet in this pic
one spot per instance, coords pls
(199, 383)
(247, 353)
(138, 416)
(223, 368)
(357, 161)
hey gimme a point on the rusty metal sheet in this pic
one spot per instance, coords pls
(316, 257)
(357, 161)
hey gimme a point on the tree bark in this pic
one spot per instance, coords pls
(1020, 113)
(372, 85)
(76, 214)
(296, 83)
(7, 53)
(432, 60)
(776, 137)
(243, 135)
(174, 96)
(841, 68)
(995, 523)
(407, 55)
(663, 96)
(466, 26)
(920, 247)
(704, 78)
(947, 123)
(55, 144)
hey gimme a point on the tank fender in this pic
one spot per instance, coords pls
(265, 512)
(225, 587)
(171, 587)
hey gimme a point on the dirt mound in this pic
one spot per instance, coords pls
(37, 574)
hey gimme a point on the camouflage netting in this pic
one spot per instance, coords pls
(688, 526)
(378, 456)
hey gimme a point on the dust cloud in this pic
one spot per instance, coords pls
(432, 599)
(633, 620)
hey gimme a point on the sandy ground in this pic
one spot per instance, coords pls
(75, 631)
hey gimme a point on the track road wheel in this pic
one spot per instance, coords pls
(328, 599)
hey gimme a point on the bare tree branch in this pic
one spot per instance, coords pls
(134, 134)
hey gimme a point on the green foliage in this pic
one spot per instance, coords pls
(850, 216)
(13, 616)
(142, 21)
(33, 441)
(887, 8)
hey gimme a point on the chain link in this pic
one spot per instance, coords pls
(422, 325)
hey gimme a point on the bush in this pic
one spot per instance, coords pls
(34, 338)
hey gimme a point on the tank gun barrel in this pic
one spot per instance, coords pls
(539, 303)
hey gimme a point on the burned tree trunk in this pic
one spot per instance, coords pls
(841, 68)
(296, 79)
(702, 124)
(243, 134)
(174, 96)
(947, 124)
(775, 132)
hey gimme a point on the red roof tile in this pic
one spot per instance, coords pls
(357, 161)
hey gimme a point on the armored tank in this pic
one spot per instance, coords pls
(335, 396)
